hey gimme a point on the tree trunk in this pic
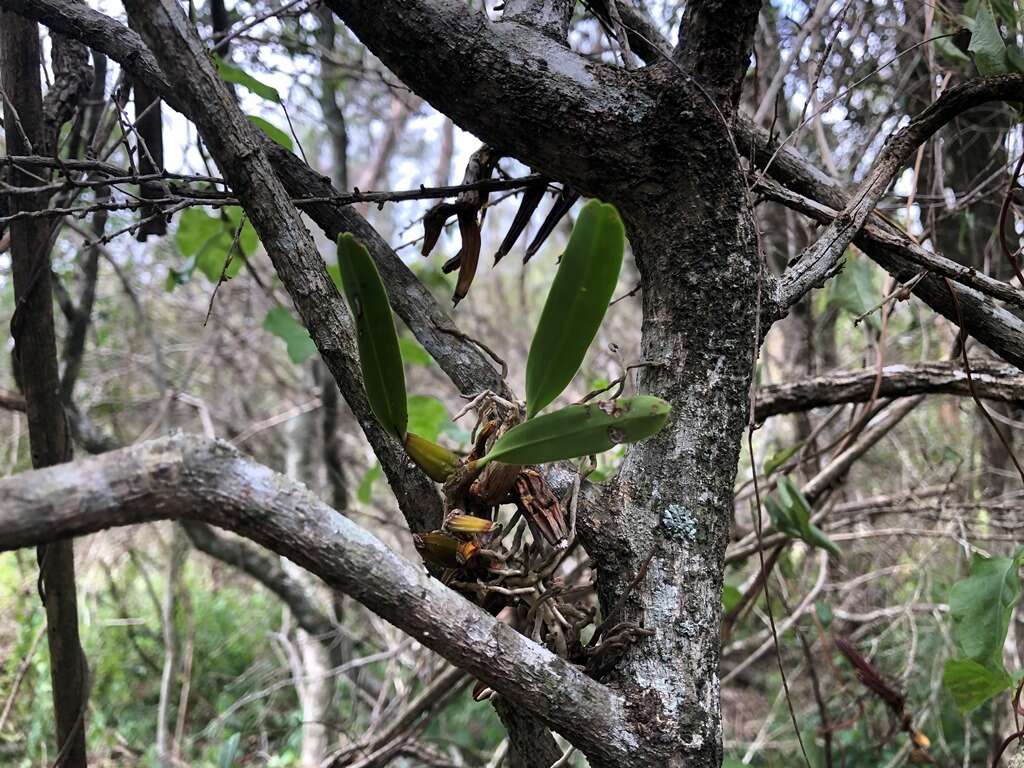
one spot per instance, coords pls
(699, 263)
(35, 364)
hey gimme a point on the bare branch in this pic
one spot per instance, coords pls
(1001, 330)
(467, 367)
(823, 258)
(993, 382)
(186, 476)
(239, 151)
(883, 233)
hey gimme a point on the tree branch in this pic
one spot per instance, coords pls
(514, 87)
(188, 477)
(551, 17)
(999, 329)
(239, 151)
(33, 125)
(883, 233)
(715, 40)
(461, 361)
(823, 258)
(993, 382)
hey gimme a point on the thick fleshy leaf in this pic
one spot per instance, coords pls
(580, 430)
(379, 355)
(436, 460)
(576, 304)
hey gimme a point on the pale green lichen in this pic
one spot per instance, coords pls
(678, 523)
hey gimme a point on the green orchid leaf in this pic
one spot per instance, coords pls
(576, 304)
(580, 430)
(379, 354)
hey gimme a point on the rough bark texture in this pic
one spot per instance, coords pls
(240, 153)
(655, 142)
(464, 363)
(35, 361)
(694, 244)
(715, 40)
(188, 477)
(992, 382)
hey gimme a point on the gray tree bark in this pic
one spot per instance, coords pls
(659, 144)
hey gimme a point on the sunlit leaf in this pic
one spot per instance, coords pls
(576, 304)
(580, 430)
(379, 355)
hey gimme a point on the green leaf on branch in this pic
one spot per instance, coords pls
(230, 73)
(576, 303)
(580, 430)
(280, 322)
(972, 684)
(791, 515)
(272, 131)
(379, 354)
(779, 458)
(206, 242)
(981, 606)
(987, 43)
